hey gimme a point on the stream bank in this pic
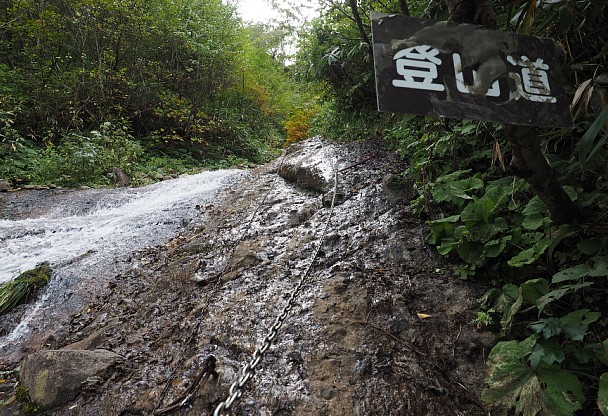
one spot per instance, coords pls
(382, 328)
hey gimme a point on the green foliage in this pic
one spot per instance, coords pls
(27, 406)
(182, 75)
(23, 287)
(565, 345)
(543, 373)
(602, 396)
(85, 158)
(22, 394)
(543, 389)
(548, 303)
(340, 124)
(335, 55)
(299, 124)
(491, 224)
(589, 150)
(499, 230)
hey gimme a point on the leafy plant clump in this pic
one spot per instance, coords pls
(549, 307)
(23, 288)
(548, 301)
(28, 407)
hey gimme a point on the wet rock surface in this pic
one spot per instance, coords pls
(354, 344)
(88, 237)
(308, 166)
(54, 378)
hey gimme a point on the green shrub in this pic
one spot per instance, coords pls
(85, 159)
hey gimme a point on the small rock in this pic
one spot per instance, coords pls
(363, 367)
(121, 179)
(310, 169)
(5, 185)
(329, 197)
(398, 253)
(328, 393)
(487, 339)
(202, 278)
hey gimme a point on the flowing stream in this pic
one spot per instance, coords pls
(87, 236)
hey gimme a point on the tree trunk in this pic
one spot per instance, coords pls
(528, 161)
(359, 22)
(477, 12)
(403, 7)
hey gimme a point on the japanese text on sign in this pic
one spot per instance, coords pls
(418, 66)
(458, 70)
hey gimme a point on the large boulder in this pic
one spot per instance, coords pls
(55, 377)
(309, 165)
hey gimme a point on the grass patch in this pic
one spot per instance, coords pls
(23, 288)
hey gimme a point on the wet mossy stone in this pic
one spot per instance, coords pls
(56, 377)
(398, 187)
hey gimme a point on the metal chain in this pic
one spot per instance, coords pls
(217, 285)
(236, 389)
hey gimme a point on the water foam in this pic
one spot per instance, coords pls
(82, 247)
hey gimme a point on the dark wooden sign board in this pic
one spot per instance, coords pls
(464, 71)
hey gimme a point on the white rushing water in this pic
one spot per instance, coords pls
(128, 220)
(80, 241)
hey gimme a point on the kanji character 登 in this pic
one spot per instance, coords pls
(418, 66)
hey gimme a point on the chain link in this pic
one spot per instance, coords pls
(236, 389)
(217, 284)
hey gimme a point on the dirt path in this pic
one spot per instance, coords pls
(355, 344)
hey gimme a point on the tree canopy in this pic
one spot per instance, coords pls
(184, 74)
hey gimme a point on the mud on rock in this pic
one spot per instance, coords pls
(356, 343)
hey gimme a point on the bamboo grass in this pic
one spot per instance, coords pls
(23, 288)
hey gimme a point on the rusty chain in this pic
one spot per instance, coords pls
(236, 389)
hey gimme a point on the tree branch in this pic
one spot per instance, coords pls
(359, 22)
(529, 163)
(477, 12)
(340, 9)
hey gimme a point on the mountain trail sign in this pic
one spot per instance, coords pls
(466, 71)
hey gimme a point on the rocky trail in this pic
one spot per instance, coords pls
(381, 327)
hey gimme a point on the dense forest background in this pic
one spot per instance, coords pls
(149, 87)
(161, 86)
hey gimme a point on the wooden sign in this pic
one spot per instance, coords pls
(466, 71)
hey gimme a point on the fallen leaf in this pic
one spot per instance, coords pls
(423, 315)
